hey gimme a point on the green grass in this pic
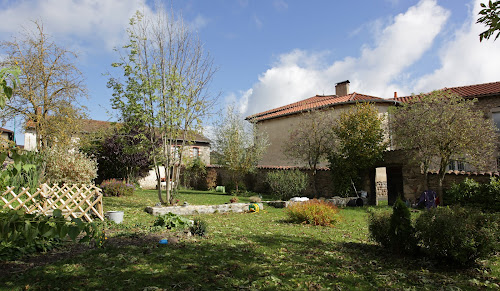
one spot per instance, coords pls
(256, 251)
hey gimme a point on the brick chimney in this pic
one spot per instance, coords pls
(342, 88)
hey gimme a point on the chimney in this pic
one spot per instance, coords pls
(395, 95)
(342, 88)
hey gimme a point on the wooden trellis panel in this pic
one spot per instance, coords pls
(76, 201)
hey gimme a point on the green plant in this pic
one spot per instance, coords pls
(379, 224)
(472, 193)
(199, 227)
(231, 188)
(286, 184)
(21, 169)
(116, 188)
(172, 221)
(314, 212)
(193, 173)
(68, 166)
(22, 233)
(401, 231)
(458, 235)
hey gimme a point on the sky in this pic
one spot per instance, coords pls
(272, 53)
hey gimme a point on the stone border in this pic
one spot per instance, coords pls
(200, 209)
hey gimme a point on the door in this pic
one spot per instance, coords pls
(394, 184)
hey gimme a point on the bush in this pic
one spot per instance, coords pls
(199, 227)
(314, 212)
(22, 233)
(231, 188)
(68, 166)
(193, 174)
(211, 179)
(379, 225)
(401, 231)
(471, 193)
(458, 235)
(116, 188)
(287, 184)
(172, 221)
(233, 199)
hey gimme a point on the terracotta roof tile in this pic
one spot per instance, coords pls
(470, 91)
(315, 102)
(5, 130)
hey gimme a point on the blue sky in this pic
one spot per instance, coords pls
(271, 53)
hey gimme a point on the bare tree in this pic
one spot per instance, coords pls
(50, 84)
(167, 75)
(437, 127)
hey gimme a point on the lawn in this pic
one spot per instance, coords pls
(256, 251)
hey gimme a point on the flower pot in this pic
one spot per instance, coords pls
(116, 216)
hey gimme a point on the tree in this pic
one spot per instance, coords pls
(167, 74)
(490, 16)
(239, 147)
(49, 85)
(359, 144)
(119, 156)
(310, 140)
(439, 126)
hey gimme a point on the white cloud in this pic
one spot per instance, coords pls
(258, 22)
(280, 5)
(298, 74)
(90, 21)
(464, 60)
(199, 22)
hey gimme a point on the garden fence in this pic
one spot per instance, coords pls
(83, 202)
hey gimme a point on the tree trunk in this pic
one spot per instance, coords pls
(158, 182)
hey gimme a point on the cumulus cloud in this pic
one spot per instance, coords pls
(376, 71)
(89, 21)
(464, 60)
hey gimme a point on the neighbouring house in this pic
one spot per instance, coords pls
(7, 135)
(393, 177)
(197, 146)
(279, 122)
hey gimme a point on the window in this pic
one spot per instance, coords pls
(196, 152)
(455, 165)
(175, 152)
(495, 115)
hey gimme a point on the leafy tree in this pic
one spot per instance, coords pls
(490, 16)
(165, 90)
(239, 146)
(66, 165)
(49, 85)
(359, 144)
(119, 156)
(439, 126)
(310, 140)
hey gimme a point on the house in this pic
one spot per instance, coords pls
(278, 123)
(197, 146)
(7, 135)
(395, 175)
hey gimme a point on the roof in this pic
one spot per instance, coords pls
(5, 130)
(316, 102)
(470, 91)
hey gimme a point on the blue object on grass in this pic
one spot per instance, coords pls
(163, 241)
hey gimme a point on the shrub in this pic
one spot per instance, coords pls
(116, 188)
(22, 233)
(68, 166)
(314, 212)
(231, 188)
(172, 221)
(199, 227)
(211, 179)
(286, 184)
(193, 173)
(457, 235)
(379, 225)
(233, 199)
(255, 199)
(401, 231)
(472, 193)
